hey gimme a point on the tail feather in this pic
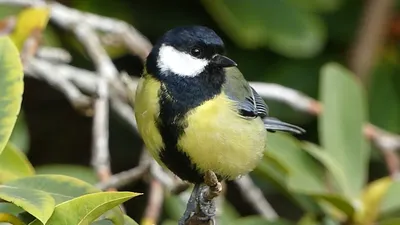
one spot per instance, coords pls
(272, 124)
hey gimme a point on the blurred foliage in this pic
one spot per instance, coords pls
(329, 177)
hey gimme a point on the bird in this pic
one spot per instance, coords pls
(196, 112)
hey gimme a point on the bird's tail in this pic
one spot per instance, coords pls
(272, 124)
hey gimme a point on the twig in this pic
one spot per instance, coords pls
(100, 152)
(370, 37)
(57, 55)
(388, 144)
(293, 98)
(153, 208)
(60, 78)
(254, 195)
(125, 177)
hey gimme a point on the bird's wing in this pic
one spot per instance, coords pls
(250, 104)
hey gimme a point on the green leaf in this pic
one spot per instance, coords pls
(341, 125)
(61, 188)
(38, 203)
(304, 174)
(11, 88)
(10, 208)
(279, 25)
(392, 221)
(85, 209)
(334, 167)
(80, 172)
(14, 164)
(20, 134)
(129, 221)
(390, 204)
(339, 202)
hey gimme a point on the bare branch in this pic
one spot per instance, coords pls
(254, 195)
(60, 78)
(370, 37)
(126, 177)
(293, 98)
(100, 152)
(57, 55)
(154, 206)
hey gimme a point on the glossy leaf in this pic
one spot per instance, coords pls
(276, 24)
(14, 164)
(28, 21)
(61, 188)
(38, 203)
(11, 88)
(80, 172)
(85, 209)
(341, 124)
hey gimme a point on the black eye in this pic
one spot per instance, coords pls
(196, 52)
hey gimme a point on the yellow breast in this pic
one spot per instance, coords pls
(218, 139)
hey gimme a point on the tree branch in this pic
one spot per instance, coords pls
(370, 37)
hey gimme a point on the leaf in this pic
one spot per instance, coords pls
(339, 202)
(80, 172)
(392, 221)
(129, 221)
(341, 124)
(20, 134)
(29, 20)
(38, 203)
(85, 209)
(304, 174)
(14, 164)
(371, 199)
(390, 204)
(334, 167)
(10, 208)
(61, 188)
(279, 25)
(11, 88)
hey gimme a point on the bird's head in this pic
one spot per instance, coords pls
(188, 51)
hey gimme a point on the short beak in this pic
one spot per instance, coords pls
(223, 61)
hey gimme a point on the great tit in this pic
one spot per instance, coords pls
(195, 111)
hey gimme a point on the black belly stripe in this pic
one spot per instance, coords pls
(175, 159)
(177, 96)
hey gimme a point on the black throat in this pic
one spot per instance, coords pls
(177, 96)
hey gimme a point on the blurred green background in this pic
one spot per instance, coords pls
(277, 41)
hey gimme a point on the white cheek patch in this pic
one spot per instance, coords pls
(172, 60)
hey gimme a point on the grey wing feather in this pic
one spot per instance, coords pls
(251, 105)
